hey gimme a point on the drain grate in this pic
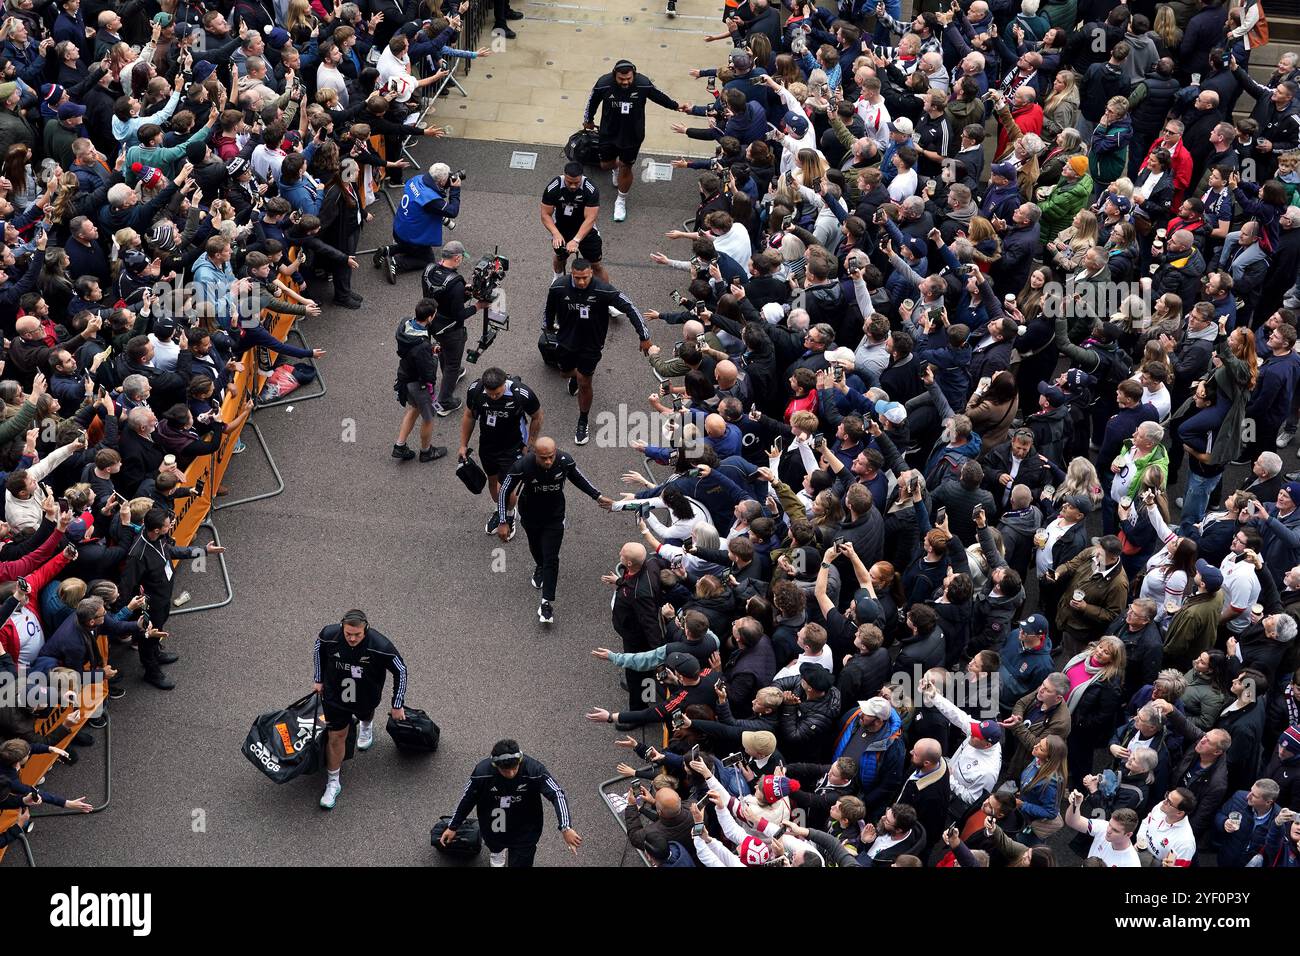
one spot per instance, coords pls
(522, 160)
(660, 172)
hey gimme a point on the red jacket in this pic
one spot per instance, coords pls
(1181, 168)
(1028, 118)
(43, 569)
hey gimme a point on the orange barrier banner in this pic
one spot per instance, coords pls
(57, 729)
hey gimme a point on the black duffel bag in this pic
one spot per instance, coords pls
(548, 346)
(417, 732)
(467, 843)
(288, 743)
(471, 473)
(583, 147)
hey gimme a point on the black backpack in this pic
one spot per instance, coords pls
(583, 147)
(467, 844)
(417, 732)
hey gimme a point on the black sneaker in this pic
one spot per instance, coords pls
(116, 691)
(513, 14)
(433, 452)
(505, 32)
(390, 266)
(403, 453)
(573, 385)
(537, 578)
(99, 723)
(545, 613)
(442, 411)
(167, 657)
(672, 9)
(510, 522)
(84, 739)
(580, 436)
(492, 524)
(377, 259)
(346, 303)
(358, 299)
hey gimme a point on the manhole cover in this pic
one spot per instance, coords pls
(522, 160)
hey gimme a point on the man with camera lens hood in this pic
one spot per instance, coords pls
(577, 310)
(427, 202)
(443, 283)
(536, 482)
(506, 791)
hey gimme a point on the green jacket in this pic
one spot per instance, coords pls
(1061, 205)
(17, 423)
(1159, 457)
(167, 158)
(1192, 630)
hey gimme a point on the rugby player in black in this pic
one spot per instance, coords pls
(506, 790)
(536, 482)
(499, 405)
(621, 95)
(577, 308)
(570, 206)
(350, 660)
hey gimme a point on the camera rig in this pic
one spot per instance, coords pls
(485, 281)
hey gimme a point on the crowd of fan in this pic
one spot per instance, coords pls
(173, 176)
(920, 587)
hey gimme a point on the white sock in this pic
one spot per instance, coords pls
(366, 725)
(334, 775)
(622, 195)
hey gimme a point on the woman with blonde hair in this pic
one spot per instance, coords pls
(1061, 109)
(1096, 678)
(810, 168)
(1165, 26)
(1074, 240)
(1025, 155)
(1080, 479)
(1041, 785)
(793, 255)
(300, 21)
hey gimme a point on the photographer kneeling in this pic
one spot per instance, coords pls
(427, 202)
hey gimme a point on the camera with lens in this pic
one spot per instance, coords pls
(489, 272)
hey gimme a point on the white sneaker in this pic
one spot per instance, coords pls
(366, 735)
(620, 209)
(332, 790)
(1284, 437)
(497, 859)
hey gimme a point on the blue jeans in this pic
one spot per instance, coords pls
(1196, 499)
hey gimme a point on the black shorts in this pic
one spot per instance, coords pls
(626, 156)
(339, 717)
(591, 248)
(584, 361)
(497, 460)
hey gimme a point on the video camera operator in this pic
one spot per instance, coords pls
(427, 202)
(444, 284)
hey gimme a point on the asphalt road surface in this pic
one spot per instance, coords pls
(356, 528)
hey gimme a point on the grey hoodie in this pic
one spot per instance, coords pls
(1141, 59)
